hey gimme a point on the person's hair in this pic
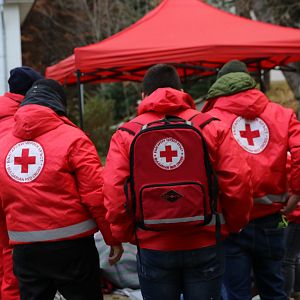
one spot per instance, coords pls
(160, 76)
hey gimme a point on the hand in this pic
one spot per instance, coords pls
(291, 204)
(115, 254)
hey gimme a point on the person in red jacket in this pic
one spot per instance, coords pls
(171, 262)
(53, 201)
(265, 131)
(20, 81)
(291, 262)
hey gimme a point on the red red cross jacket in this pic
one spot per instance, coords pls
(265, 131)
(294, 216)
(52, 178)
(9, 103)
(233, 177)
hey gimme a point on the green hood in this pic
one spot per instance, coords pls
(231, 83)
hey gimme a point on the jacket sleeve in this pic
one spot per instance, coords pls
(4, 241)
(86, 165)
(115, 173)
(234, 177)
(294, 148)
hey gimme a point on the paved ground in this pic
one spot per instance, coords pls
(115, 297)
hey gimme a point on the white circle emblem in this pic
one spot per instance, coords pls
(168, 154)
(252, 135)
(25, 161)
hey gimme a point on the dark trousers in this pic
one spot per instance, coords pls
(258, 247)
(71, 267)
(292, 259)
(164, 275)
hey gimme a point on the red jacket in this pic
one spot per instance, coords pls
(265, 145)
(232, 171)
(294, 216)
(52, 178)
(9, 103)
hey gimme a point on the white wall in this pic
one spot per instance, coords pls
(12, 37)
(12, 13)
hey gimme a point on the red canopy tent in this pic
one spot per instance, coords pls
(195, 37)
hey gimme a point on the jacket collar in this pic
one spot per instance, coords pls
(166, 100)
(247, 104)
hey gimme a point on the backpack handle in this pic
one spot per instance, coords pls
(167, 120)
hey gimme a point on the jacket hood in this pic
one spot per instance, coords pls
(34, 120)
(230, 84)
(247, 104)
(166, 100)
(9, 104)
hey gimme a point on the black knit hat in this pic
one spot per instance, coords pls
(21, 79)
(233, 66)
(55, 86)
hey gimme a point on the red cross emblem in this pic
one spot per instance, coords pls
(168, 153)
(25, 160)
(249, 135)
(30, 156)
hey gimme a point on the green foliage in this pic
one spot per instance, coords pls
(98, 120)
(198, 89)
(126, 95)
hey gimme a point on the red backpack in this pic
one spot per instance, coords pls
(171, 180)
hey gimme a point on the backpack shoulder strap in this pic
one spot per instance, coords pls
(131, 127)
(201, 120)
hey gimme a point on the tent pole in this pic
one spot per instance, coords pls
(261, 81)
(80, 99)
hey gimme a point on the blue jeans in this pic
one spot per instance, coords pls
(292, 259)
(164, 275)
(258, 247)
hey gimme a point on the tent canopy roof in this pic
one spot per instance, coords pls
(194, 36)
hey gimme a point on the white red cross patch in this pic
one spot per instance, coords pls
(252, 135)
(168, 153)
(25, 161)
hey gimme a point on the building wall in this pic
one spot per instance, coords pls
(12, 14)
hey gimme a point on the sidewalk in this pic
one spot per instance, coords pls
(115, 297)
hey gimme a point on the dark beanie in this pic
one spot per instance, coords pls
(233, 66)
(21, 79)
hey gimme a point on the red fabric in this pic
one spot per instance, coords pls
(232, 171)
(294, 216)
(181, 31)
(69, 185)
(269, 174)
(9, 290)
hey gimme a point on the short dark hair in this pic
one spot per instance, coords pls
(160, 76)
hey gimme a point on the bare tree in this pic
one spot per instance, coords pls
(60, 25)
(280, 12)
